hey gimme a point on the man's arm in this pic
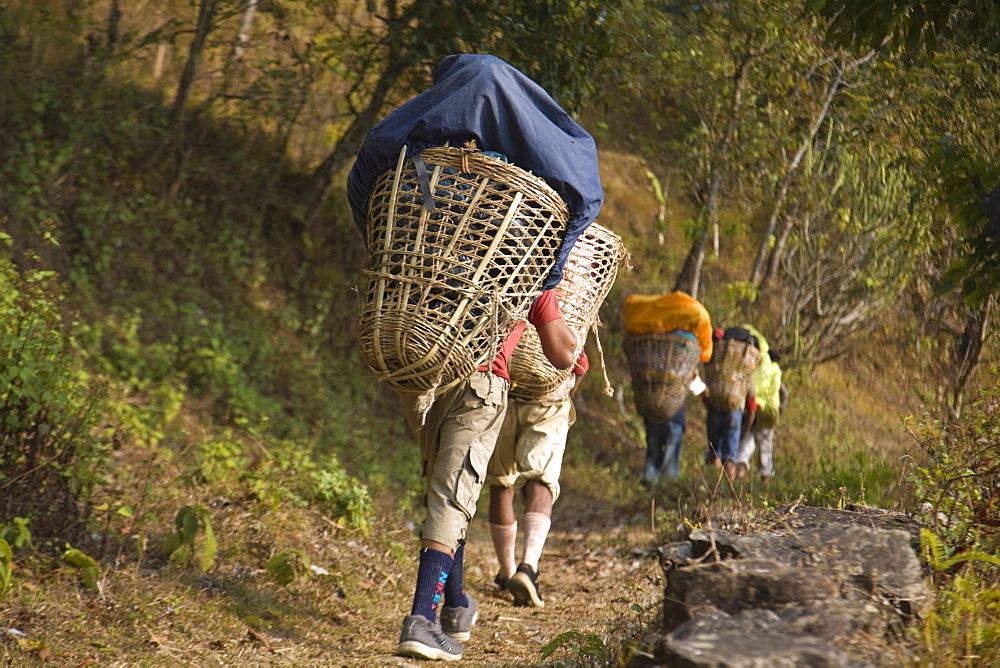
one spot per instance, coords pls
(558, 343)
(749, 413)
(558, 340)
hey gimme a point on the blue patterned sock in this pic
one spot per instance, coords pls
(454, 588)
(432, 574)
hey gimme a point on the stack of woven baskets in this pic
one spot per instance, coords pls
(729, 373)
(588, 276)
(448, 279)
(663, 365)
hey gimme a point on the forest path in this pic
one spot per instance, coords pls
(596, 566)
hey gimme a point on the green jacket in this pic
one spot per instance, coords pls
(767, 379)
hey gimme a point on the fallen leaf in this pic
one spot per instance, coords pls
(259, 637)
(156, 639)
(30, 645)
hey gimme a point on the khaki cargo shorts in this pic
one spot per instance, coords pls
(456, 441)
(531, 445)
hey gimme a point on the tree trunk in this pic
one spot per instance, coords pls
(347, 146)
(973, 342)
(779, 248)
(175, 126)
(243, 32)
(786, 179)
(114, 19)
(773, 259)
(689, 278)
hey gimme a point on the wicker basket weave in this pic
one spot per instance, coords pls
(729, 373)
(588, 276)
(443, 287)
(662, 365)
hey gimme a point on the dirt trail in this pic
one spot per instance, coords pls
(597, 570)
(593, 570)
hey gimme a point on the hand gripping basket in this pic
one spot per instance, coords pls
(662, 365)
(588, 276)
(447, 280)
(729, 373)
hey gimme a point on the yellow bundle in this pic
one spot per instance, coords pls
(647, 314)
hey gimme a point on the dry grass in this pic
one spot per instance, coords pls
(156, 614)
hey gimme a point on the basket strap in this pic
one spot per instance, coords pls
(425, 183)
(608, 390)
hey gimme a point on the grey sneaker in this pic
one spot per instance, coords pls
(423, 639)
(524, 587)
(457, 622)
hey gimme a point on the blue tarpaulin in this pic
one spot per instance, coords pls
(483, 98)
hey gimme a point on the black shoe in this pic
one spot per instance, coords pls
(500, 582)
(524, 587)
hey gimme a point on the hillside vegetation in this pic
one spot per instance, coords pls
(184, 412)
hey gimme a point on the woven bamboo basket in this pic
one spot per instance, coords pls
(588, 276)
(729, 373)
(662, 366)
(445, 285)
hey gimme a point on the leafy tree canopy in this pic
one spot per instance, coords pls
(931, 34)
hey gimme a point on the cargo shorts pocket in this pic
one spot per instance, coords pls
(485, 396)
(470, 481)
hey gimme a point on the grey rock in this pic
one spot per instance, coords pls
(865, 563)
(675, 555)
(739, 584)
(813, 587)
(759, 650)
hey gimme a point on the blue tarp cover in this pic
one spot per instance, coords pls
(483, 98)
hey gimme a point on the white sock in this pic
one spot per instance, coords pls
(536, 530)
(504, 542)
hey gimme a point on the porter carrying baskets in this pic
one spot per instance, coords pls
(663, 366)
(729, 373)
(459, 245)
(588, 276)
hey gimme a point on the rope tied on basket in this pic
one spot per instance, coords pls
(467, 148)
(424, 180)
(608, 390)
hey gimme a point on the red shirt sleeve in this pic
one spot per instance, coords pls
(545, 309)
(582, 364)
(751, 403)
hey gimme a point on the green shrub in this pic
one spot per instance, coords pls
(6, 566)
(182, 546)
(960, 486)
(53, 446)
(959, 489)
(342, 496)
